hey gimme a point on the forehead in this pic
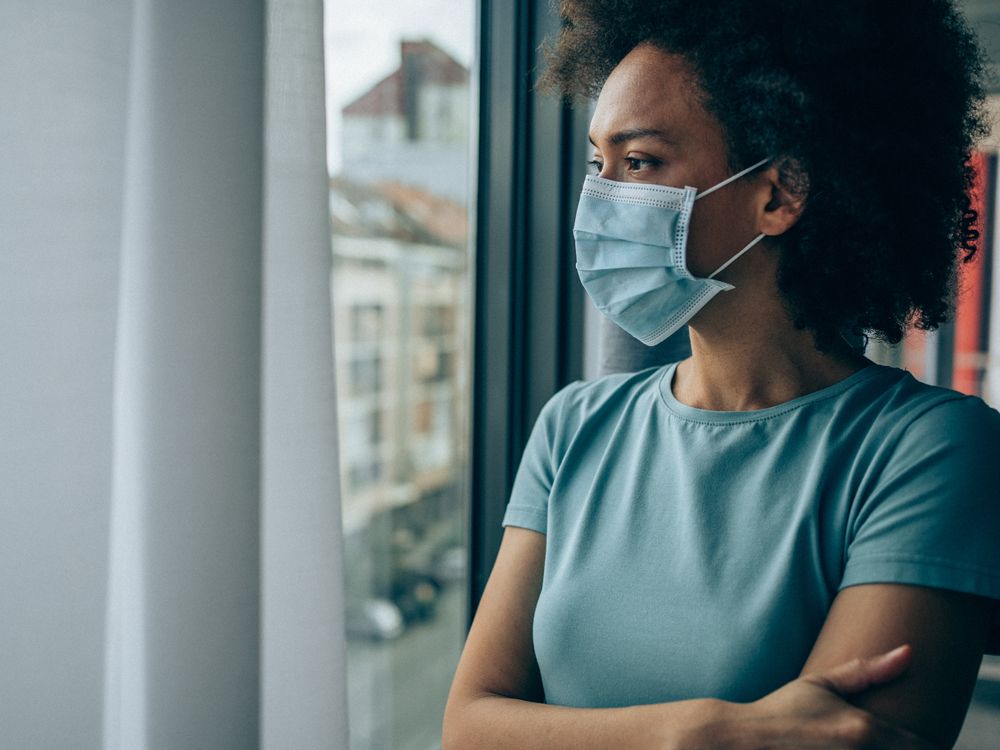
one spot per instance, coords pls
(653, 89)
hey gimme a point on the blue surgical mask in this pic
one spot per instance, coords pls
(631, 254)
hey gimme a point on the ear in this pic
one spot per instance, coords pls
(787, 188)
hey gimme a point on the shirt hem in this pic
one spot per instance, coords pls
(528, 518)
(912, 570)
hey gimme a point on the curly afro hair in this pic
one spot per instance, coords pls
(870, 108)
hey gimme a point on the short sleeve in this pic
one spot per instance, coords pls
(529, 497)
(933, 516)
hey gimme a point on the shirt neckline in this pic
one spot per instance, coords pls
(664, 389)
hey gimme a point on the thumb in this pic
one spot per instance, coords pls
(860, 674)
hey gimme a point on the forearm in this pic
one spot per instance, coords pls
(494, 722)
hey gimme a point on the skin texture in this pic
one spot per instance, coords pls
(746, 354)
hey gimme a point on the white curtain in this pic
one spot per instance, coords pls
(170, 541)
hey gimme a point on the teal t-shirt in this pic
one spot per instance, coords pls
(694, 553)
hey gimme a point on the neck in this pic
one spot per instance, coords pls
(742, 362)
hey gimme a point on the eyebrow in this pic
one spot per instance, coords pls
(633, 134)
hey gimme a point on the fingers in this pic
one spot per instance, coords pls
(858, 675)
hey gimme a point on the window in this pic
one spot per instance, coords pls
(367, 321)
(399, 115)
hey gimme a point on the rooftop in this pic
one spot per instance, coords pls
(421, 63)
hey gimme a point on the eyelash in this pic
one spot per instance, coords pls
(633, 163)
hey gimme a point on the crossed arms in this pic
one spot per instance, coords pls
(847, 697)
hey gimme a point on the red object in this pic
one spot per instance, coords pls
(970, 360)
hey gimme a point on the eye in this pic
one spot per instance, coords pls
(637, 164)
(594, 167)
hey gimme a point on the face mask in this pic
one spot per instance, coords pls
(631, 254)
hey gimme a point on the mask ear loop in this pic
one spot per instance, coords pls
(735, 177)
(722, 184)
(725, 265)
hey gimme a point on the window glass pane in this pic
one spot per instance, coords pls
(398, 107)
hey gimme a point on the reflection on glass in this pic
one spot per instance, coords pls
(399, 217)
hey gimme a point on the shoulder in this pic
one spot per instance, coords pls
(587, 395)
(912, 413)
(890, 409)
(927, 510)
(927, 439)
(584, 401)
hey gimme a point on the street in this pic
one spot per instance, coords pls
(398, 688)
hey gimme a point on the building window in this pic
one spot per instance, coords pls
(366, 374)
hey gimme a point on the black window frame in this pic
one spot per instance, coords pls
(529, 305)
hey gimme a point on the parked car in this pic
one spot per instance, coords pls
(375, 619)
(416, 594)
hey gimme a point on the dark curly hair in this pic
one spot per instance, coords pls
(870, 107)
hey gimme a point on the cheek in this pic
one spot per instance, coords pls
(716, 233)
(706, 243)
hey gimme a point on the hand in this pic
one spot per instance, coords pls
(811, 712)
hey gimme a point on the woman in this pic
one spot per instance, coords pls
(726, 552)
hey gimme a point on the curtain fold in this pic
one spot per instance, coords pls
(171, 515)
(304, 651)
(63, 83)
(183, 607)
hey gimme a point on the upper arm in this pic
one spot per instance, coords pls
(498, 657)
(947, 631)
